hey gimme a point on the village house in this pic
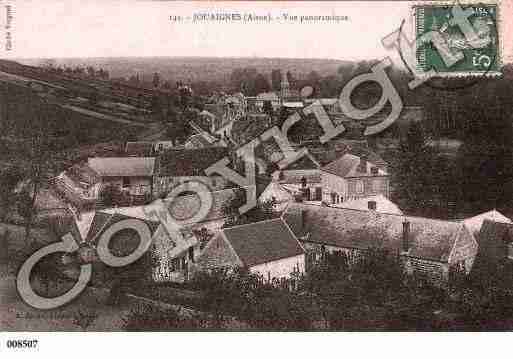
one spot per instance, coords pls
(171, 255)
(175, 167)
(268, 248)
(132, 175)
(173, 264)
(428, 248)
(351, 177)
(303, 178)
(79, 186)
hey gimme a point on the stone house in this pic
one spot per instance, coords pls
(268, 248)
(429, 248)
(351, 177)
(133, 175)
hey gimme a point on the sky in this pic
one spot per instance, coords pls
(108, 28)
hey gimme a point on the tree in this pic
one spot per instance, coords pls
(268, 108)
(4, 246)
(91, 71)
(84, 317)
(261, 84)
(156, 80)
(413, 170)
(276, 80)
(110, 195)
(9, 178)
(290, 78)
(152, 318)
(41, 150)
(263, 211)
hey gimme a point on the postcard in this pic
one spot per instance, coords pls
(254, 166)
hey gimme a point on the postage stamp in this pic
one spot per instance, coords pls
(473, 48)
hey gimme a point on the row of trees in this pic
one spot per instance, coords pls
(78, 71)
(372, 294)
(476, 177)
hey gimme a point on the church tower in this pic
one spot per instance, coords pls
(285, 87)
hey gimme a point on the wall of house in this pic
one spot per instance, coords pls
(315, 251)
(281, 268)
(332, 184)
(295, 176)
(168, 268)
(435, 272)
(134, 181)
(371, 186)
(464, 251)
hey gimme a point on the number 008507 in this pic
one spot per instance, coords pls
(22, 344)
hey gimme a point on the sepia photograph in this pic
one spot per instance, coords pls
(255, 166)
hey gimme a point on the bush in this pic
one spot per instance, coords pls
(151, 318)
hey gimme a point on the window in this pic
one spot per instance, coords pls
(359, 187)
(376, 185)
(510, 250)
(126, 181)
(318, 193)
(191, 254)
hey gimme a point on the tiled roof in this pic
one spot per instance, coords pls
(250, 127)
(475, 223)
(347, 228)
(342, 167)
(306, 162)
(122, 166)
(263, 242)
(183, 208)
(188, 162)
(383, 204)
(139, 148)
(267, 96)
(198, 141)
(347, 166)
(327, 155)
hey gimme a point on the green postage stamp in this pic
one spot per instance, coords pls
(474, 50)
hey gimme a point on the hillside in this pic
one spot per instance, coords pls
(196, 68)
